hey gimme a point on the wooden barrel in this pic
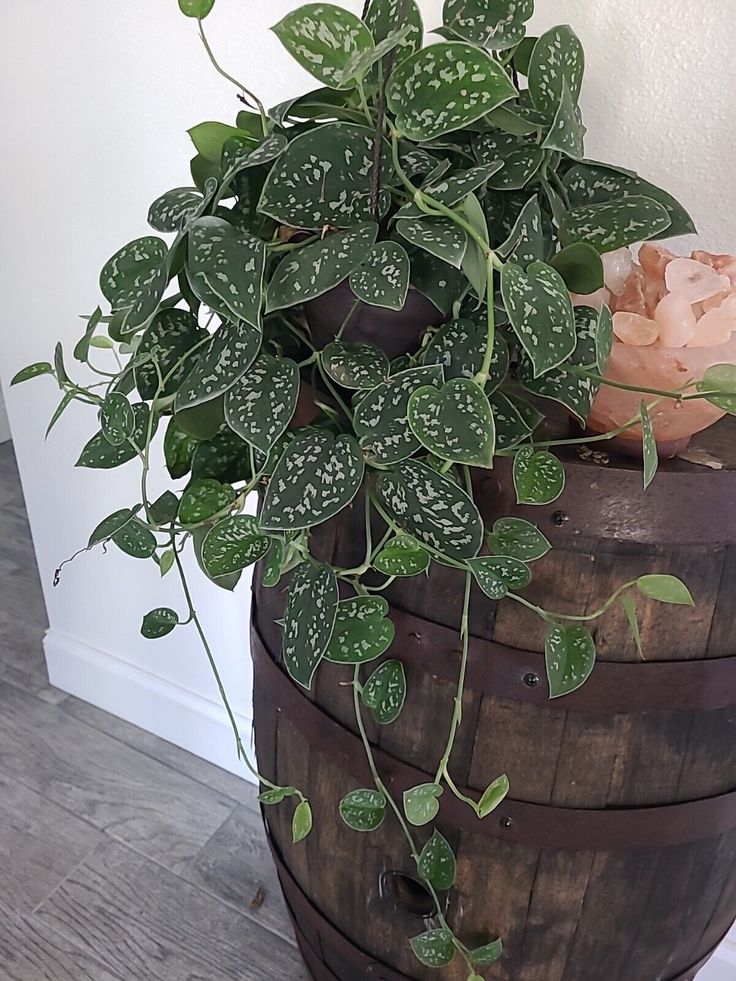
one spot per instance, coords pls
(613, 857)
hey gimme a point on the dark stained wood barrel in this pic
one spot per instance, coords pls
(614, 857)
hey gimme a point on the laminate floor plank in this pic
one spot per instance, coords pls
(31, 951)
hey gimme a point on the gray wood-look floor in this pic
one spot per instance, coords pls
(122, 858)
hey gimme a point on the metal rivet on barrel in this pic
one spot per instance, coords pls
(506, 822)
(559, 518)
(531, 679)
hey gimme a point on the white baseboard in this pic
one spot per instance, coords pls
(155, 704)
(722, 966)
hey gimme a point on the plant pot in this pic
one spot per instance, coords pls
(397, 332)
(614, 855)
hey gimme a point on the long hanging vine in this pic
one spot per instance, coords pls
(455, 171)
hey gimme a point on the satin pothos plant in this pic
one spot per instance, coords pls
(456, 172)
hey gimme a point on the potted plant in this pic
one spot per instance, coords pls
(365, 314)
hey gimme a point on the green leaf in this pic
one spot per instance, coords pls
(432, 508)
(166, 561)
(649, 446)
(109, 525)
(134, 279)
(521, 158)
(99, 454)
(309, 620)
(32, 371)
(222, 361)
(454, 422)
(135, 539)
(276, 795)
(437, 862)
(101, 342)
(441, 237)
(440, 283)
(362, 631)
(382, 17)
(196, 8)
(239, 154)
(172, 210)
(385, 692)
(444, 87)
(317, 268)
(81, 348)
(720, 378)
(511, 427)
(402, 556)
(629, 608)
(383, 279)
(210, 137)
(525, 244)
(541, 313)
(487, 954)
(603, 339)
(273, 563)
(361, 63)
(178, 450)
(567, 133)
(116, 419)
(492, 796)
(324, 178)
(165, 342)
(581, 267)
(570, 656)
(494, 24)
(165, 508)
(539, 477)
(301, 823)
(317, 476)
(453, 189)
(323, 38)
(381, 422)
(204, 498)
(557, 62)
(357, 366)
(435, 948)
(233, 544)
(421, 804)
(261, 404)
(518, 539)
(497, 574)
(459, 346)
(615, 224)
(226, 268)
(665, 589)
(363, 810)
(159, 622)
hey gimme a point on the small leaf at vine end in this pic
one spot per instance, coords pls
(487, 954)
(665, 589)
(276, 795)
(435, 948)
(437, 862)
(196, 8)
(117, 421)
(570, 658)
(165, 562)
(32, 371)
(159, 623)
(402, 556)
(493, 795)
(497, 574)
(539, 477)
(301, 823)
(629, 608)
(363, 810)
(421, 804)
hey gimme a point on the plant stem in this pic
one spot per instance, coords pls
(239, 85)
(551, 617)
(457, 712)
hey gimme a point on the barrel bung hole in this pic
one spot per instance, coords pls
(407, 893)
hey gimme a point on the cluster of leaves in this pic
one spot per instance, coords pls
(455, 171)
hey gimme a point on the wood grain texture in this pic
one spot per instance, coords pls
(31, 951)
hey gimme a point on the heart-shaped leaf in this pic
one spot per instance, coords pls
(309, 620)
(441, 237)
(521, 158)
(665, 589)
(172, 210)
(603, 338)
(444, 87)
(435, 948)
(567, 133)
(116, 419)
(460, 345)
(437, 862)
(383, 279)
(204, 498)
(164, 344)
(165, 508)
(357, 366)
(487, 954)
(518, 539)
(362, 631)
(109, 525)
(720, 378)
(421, 803)
(134, 279)
(380, 420)
(323, 38)
(196, 8)
(261, 404)
(451, 190)
(403, 556)
(570, 657)
(511, 427)
(581, 267)
(494, 24)
(135, 539)
(178, 450)
(492, 796)
(316, 268)
(454, 422)
(239, 155)
(276, 795)
(432, 508)
(209, 139)
(497, 574)
(301, 822)
(525, 244)
(615, 224)
(541, 313)
(99, 454)
(317, 476)
(539, 477)
(385, 692)
(557, 62)
(324, 178)
(224, 359)
(226, 269)
(650, 455)
(363, 810)
(232, 544)
(382, 17)
(159, 623)
(225, 457)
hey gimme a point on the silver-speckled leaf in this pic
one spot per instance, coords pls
(382, 18)
(435, 948)
(511, 427)
(494, 24)
(315, 269)
(232, 544)
(402, 556)
(570, 657)
(541, 313)
(435, 279)
(615, 224)
(497, 574)
(134, 279)
(441, 237)
(99, 454)
(650, 455)
(444, 87)
(437, 862)
(459, 346)
(363, 810)
(432, 508)
(260, 405)
(521, 158)
(557, 60)
(380, 421)
(603, 339)
(385, 692)
(117, 421)
(525, 244)
(324, 178)
(238, 154)
(361, 63)
(222, 361)
(323, 38)
(358, 366)
(454, 422)
(226, 268)
(204, 498)
(518, 539)
(589, 182)
(173, 209)
(158, 623)
(383, 279)
(362, 631)
(567, 133)
(539, 477)
(454, 188)
(309, 620)
(165, 342)
(318, 475)
(135, 539)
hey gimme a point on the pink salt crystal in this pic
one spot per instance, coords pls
(635, 330)
(595, 300)
(676, 320)
(631, 299)
(694, 281)
(617, 268)
(715, 327)
(711, 303)
(654, 259)
(654, 291)
(724, 264)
